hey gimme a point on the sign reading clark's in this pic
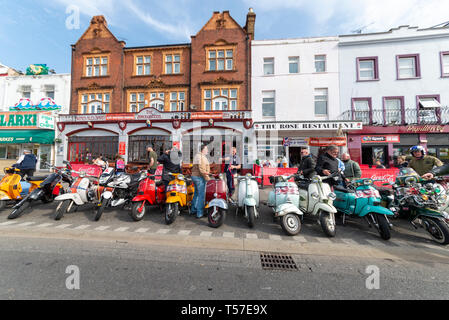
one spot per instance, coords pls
(309, 125)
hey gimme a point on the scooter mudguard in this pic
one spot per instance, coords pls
(250, 202)
(217, 203)
(142, 197)
(4, 196)
(375, 209)
(174, 199)
(286, 208)
(107, 195)
(75, 197)
(324, 207)
(427, 212)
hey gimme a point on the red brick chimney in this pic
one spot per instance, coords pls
(250, 22)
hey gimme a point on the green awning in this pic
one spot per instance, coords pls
(27, 136)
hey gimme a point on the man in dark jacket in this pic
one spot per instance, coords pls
(171, 162)
(26, 163)
(307, 165)
(327, 163)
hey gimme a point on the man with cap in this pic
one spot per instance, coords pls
(26, 163)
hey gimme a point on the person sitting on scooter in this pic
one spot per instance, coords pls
(169, 160)
(421, 162)
(328, 164)
(307, 165)
(26, 164)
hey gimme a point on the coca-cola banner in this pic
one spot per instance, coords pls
(89, 169)
(386, 175)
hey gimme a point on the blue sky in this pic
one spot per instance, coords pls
(34, 31)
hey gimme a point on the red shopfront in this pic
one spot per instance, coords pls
(387, 143)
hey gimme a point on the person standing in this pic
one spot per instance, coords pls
(352, 168)
(328, 163)
(119, 164)
(200, 175)
(26, 163)
(232, 164)
(152, 156)
(307, 164)
(421, 162)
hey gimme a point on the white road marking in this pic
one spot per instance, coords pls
(323, 240)
(25, 224)
(122, 229)
(228, 234)
(44, 225)
(7, 223)
(349, 241)
(163, 231)
(63, 226)
(300, 238)
(184, 232)
(142, 230)
(102, 228)
(376, 242)
(82, 227)
(251, 236)
(274, 237)
(206, 234)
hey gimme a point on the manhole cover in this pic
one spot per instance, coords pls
(274, 261)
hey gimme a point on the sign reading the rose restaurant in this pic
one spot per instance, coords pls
(327, 125)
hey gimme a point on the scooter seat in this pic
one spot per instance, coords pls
(37, 178)
(341, 189)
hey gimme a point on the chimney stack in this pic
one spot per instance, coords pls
(250, 22)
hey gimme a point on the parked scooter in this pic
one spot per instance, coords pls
(248, 197)
(150, 192)
(284, 200)
(179, 196)
(46, 191)
(420, 201)
(361, 199)
(216, 200)
(120, 191)
(316, 199)
(13, 188)
(82, 191)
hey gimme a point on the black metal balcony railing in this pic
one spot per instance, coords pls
(399, 117)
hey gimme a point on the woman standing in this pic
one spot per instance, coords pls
(200, 174)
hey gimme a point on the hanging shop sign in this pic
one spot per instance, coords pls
(122, 148)
(299, 142)
(46, 122)
(425, 129)
(206, 115)
(326, 125)
(381, 139)
(324, 142)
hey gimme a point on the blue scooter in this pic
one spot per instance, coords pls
(362, 199)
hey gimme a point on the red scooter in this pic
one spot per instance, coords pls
(216, 200)
(149, 192)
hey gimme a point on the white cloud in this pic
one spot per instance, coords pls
(375, 15)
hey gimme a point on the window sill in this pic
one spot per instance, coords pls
(414, 78)
(95, 77)
(371, 80)
(220, 71)
(142, 75)
(172, 74)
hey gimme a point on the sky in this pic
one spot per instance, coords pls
(42, 31)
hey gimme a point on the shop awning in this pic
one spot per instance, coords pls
(27, 136)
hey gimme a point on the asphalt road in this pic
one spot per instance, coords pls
(118, 258)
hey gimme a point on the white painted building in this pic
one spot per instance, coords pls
(395, 82)
(295, 95)
(41, 98)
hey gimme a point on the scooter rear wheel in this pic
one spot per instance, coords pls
(291, 224)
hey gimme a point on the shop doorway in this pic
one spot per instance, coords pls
(295, 156)
(372, 153)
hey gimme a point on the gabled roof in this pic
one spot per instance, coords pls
(221, 21)
(98, 29)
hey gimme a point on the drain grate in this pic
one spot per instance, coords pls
(275, 261)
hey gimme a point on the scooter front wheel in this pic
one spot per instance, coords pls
(251, 216)
(138, 210)
(171, 211)
(438, 229)
(327, 221)
(100, 209)
(383, 227)
(291, 224)
(216, 218)
(18, 212)
(61, 209)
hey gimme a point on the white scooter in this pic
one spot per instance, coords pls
(316, 199)
(248, 198)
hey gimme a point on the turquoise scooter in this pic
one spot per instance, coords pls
(362, 199)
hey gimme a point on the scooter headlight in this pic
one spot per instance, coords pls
(442, 199)
(181, 177)
(220, 176)
(332, 196)
(82, 174)
(215, 195)
(315, 196)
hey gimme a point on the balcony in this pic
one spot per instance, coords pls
(412, 116)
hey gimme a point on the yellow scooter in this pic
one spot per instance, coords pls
(179, 196)
(13, 188)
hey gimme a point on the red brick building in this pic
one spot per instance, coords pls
(124, 98)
